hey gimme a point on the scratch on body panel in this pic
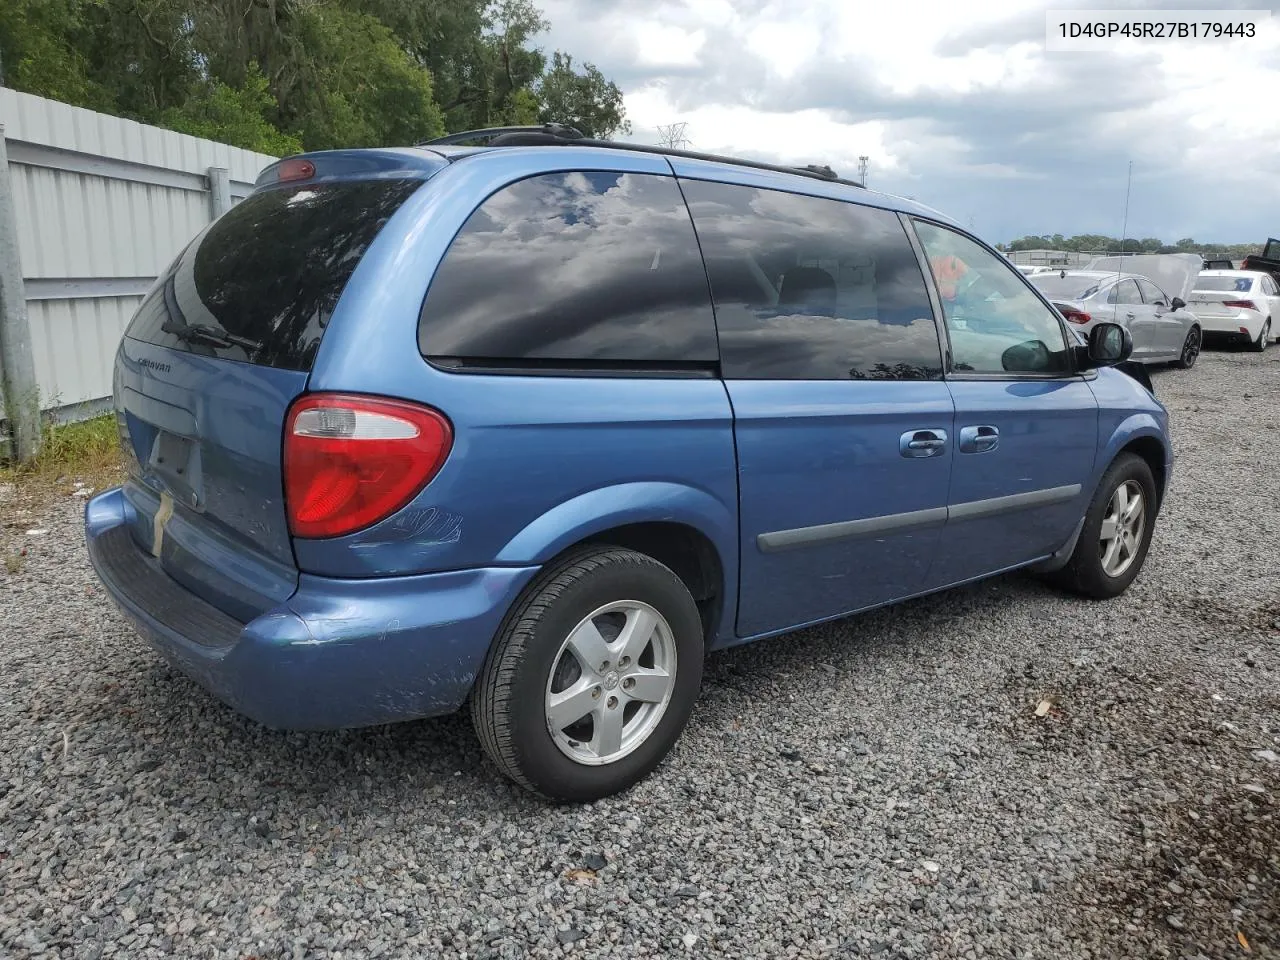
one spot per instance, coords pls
(427, 527)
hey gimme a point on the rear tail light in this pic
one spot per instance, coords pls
(296, 168)
(351, 461)
(1075, 316)
(1240, 304)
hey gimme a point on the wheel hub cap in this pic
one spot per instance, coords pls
(1122, 527)
(611, 682)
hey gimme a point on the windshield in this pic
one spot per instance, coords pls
(1225, 284)
(1071, 287)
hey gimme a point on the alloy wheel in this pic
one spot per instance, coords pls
(611, 682)
(1122, 528)
(1191, 349)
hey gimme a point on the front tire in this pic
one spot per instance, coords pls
(593, 676)
(1264, 338)
(1116, 534)
(1190, 350)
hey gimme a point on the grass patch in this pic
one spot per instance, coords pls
(88, 450)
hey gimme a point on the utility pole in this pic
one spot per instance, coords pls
(672, 136)
(17, 367)
(862, 169)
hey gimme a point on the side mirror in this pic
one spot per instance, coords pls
(1109, 344)
(1177, 303)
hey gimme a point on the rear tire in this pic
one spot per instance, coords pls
(1190, 350)
(1112, 547)
(574, 730)
(1264, 338)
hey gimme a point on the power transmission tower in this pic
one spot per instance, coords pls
(672, 135)
(862, 170)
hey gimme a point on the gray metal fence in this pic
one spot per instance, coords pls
(99, 206)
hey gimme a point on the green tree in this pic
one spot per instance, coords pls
(584, 100)
(357, 87)
(141, 52)
(40, 52)
(273, 74)
(1093, 242)
(234, 115)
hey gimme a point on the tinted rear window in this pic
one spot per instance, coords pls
(586, 269)
(1225, 284)
(261, 283)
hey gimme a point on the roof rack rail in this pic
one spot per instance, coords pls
(821, 170)
(552, 134)
(557, 131)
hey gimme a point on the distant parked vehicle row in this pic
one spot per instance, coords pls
(1163, 329)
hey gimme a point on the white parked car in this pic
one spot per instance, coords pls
(1244, 304)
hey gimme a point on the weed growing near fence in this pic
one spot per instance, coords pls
(87, 451)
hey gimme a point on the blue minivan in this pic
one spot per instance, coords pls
(532, 422)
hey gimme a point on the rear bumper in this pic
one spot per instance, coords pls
(337, 654)
(1231, 325)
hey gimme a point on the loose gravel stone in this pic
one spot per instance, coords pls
(140, 818)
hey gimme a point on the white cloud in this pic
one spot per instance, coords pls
(959, 105)
(806, 136)
(660, 45)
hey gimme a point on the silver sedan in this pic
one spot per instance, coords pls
(1163, 329)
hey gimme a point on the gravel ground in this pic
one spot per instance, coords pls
(880, 787)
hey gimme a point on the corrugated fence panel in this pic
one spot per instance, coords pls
(103, 204)
(73, 342)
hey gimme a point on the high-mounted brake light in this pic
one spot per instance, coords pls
(1240, 304)
(295, 169)
(351, 461)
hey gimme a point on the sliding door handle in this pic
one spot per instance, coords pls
(917, 444)
(979, 439)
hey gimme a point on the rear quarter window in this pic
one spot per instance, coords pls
(582, 269)
(261, 283)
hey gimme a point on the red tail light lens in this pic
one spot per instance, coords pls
(295, 168)
(350, 461)
(1075, 316)
(1240, 304)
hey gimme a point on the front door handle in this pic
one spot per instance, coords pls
(979, 439)
(1131, 316)
(923, 443)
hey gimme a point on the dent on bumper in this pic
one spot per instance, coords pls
(338, 653)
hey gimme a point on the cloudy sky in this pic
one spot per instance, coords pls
(963, 110)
